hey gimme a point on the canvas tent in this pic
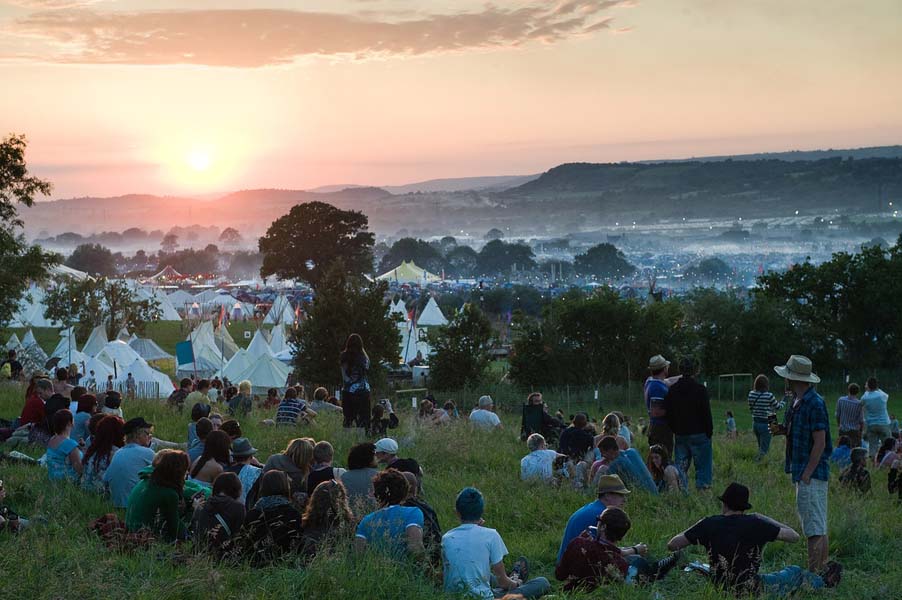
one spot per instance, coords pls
(265, 373)
(168, 311)
(14, 343)
(167, 273)
(28, 339)
(280, 312)
(398, 308)
(179, 299)
(239, 363)
(148, 349)
(225, 342)
(57, 271)
(101, 372)
(117, 352)
(96, 341)
(408, 272)
(431, 315)
(412, 341)
(124, 335)
(258, 347)
(150, 383)
(207, 355)
(63, 348)
(277, 343)
(30, 312)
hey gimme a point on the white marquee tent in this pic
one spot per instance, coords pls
(278, 341)
(148, 349)
(266, 372)
(150, 382)
(14, 343)
(258, 347)
(280, 312)
(28, 340)
(431, 315)
(179, 299)
(239, 363)
(117, 352)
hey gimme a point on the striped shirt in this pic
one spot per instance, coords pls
(763, 404)
(289, 410)
(850, 413)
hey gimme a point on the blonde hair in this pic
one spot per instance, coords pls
(611, 425)
(320, 394)
(244, 386)
(300, 452)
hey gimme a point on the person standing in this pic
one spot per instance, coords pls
(762, 404)
(656, 390)
(850, 416)
(355, 391)
(876, 417)
(808, 448)
(688, 411)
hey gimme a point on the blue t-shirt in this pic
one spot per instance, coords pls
(656, 391)
(579, 522)
(632, 470)
(80, 426)
(387, 527)
(874, 403)
(122, 474)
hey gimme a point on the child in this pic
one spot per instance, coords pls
(842, 454)
(856, 475)
(731, 426)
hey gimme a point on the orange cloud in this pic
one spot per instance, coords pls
(261, 37)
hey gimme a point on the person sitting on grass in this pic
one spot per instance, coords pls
(483, 416)
(379, 422)
(199, 410)
(393, 528)
(87, 405)
(430, 415)
(108, 438)
(242, 454)
(387, 454)
(156, 502)
(243, 402)
(856, 475)
(894, 480)
(668, 477)
(473, 557)
(611, 493)
(543, 464)
(322, 469)
(842, 454)
(577, 440)
(215, 458)
(293, 410)
(321, 402)
(202, 429)
(218, 520)
(177, 398)
(594, 558)
(63, 455)
(887, 454)
(432, 531)
(327, 516)
(735, 540)
(358, 479)
(296, 461)
(273, 527)
(612, 426)
(627, 464)
(122, 474)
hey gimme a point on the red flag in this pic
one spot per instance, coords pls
(221, 314)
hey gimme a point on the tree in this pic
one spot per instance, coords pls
(493, 234)
(94, 259)
(344, 304)
(461, 350)
(462, 261)
(447, 243)
(230, 236)
(306, 242)
(604, 261)
(191, 261)
(245, 264)
(498, 257)
(86, 304)
(409, 249)
(170, 243)
(19, 261)
(710, 269)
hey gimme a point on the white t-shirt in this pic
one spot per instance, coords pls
(538, 465)
(484, 419)
(468, 553)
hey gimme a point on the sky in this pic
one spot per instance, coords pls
(204, 96)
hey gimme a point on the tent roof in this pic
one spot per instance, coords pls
(258, 346)
(148, 349)
(167, 273)
(96, 341)
(64, 271)
(13, 342)
(62, 348)
(431, 315)
(398, 308)
(239, 363)
(180, 298)
(408, 272)
(118, 351)
(266, 372)
(278, 343)
(280, 312)
(144, 373)
(28, 339)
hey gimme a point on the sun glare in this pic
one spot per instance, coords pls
(200, 160)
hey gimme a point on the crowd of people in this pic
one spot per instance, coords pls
(213, 489)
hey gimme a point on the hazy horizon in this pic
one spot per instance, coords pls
(141, 96)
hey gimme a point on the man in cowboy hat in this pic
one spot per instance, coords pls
(735, 540)
(611, 492)
(657, 387)
(808, 448)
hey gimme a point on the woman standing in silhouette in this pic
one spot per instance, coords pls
(355, 391)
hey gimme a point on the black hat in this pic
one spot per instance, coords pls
(242, 447)
(113, 400)
(136, 423)
(736, 497)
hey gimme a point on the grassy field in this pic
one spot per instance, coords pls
(62, 559)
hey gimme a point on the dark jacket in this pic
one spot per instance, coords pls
(688, 408)
(576, 442)
(432, 531)
(211, 533)
(269, 532)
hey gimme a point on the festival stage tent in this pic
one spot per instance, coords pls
(117, 352)
(167, 273)
(408, 272)
(148, 349)
(280, 312)
(96, 341)
(265, 373)
(150, 382)
(239, 363)
(180, 298)
(431, 315)
(277, 342)
(14, 343)
(28, 339)
(64, 271)
(258, 347)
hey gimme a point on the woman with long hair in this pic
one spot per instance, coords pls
(355, 391)
(667, 476)
(358, 479)
(327, 514)
(273, 527)
(87, 406)
(610, 426)
(63, 456)
(108, 437)
(215, 459)
(296, 461)
(155, 502)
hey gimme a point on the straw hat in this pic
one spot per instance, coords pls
(658, 362)
(797, 368)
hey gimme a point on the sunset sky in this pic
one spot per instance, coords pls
(200, 96)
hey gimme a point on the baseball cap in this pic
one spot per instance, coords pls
(136, 423)
(387, 445)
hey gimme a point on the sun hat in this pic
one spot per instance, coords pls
(485, 401)
(736, 497)
(611, 484)
(658, 362)
(797, 368)
(387, 445)
(242, 447)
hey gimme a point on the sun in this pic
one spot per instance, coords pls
(200, 159)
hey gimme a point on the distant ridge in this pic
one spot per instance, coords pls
(795, 155)
(494, 183)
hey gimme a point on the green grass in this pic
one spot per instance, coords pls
(63, 559)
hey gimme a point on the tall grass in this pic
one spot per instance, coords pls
(62, 559)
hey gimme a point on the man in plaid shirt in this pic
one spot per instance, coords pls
(808, 448)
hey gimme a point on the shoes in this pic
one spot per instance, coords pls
(832, 574)
(666, 564)
(521, 569)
